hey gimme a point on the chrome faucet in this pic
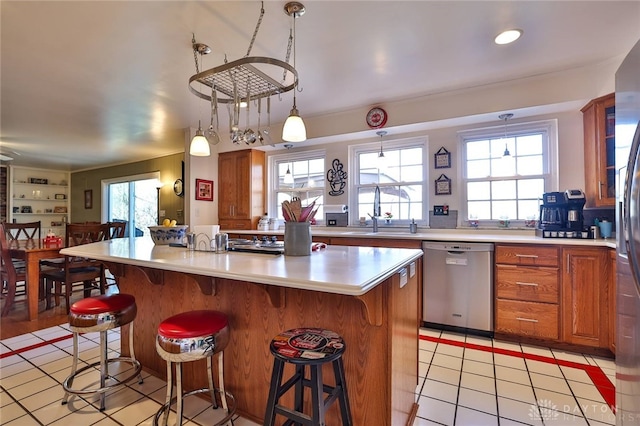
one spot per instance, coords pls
(376, 209)
(374, 220)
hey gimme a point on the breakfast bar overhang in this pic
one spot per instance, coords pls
(368, 295)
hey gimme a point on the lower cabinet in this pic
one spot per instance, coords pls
(527, 291)
(585, 298)
(554, 293)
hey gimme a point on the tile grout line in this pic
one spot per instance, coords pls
(595, 373)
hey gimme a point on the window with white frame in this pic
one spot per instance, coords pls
(505, 173)
(400, 175)
(297, 175)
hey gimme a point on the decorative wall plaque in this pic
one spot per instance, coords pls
(442, 159)
(337, 178)
(443, 185)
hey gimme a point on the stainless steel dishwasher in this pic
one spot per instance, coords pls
(458, 286)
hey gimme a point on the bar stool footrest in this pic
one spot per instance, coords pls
(136, 372)
(231, 405)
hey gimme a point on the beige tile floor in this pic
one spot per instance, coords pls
(493, 383)
(490, 382)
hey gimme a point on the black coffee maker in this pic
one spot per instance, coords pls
(553, 211)
(575, 206)
(562, 211)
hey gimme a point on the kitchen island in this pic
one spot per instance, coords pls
(368, 295)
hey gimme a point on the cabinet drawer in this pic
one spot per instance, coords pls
(527, 319)
(530, 283)
(527, 255)
(236, 224)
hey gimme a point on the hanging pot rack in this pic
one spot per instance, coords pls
(248, 78)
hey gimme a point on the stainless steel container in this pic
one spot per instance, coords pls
(222, 242)
(594, 232)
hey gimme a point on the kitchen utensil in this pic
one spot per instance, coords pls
(212, 132)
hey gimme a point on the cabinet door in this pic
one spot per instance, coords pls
(585, 312)
(227, 185)
(599, 151)
(243, 186)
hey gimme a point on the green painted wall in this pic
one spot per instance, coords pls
(170, 168)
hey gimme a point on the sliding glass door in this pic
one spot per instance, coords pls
(133, 199)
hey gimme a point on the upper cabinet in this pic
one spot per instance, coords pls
(599, 118)
(39, 195)
(241, 189)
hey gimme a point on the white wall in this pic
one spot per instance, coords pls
(438, 117)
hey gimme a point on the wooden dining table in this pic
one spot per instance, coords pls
(32, 252)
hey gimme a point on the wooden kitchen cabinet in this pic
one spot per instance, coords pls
(560, 294)
(599, 144)
(585, 298)
(527, 291)
(241, 176)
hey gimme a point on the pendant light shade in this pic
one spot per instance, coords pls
(294, 129)
(288, 177)
(199, 145)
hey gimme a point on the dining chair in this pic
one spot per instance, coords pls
(10, 276)
(76, 271)
(22, 231)
(117, 229)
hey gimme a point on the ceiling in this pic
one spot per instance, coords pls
(93, 83)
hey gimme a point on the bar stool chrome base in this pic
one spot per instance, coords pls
(100, 314)
(230, 401)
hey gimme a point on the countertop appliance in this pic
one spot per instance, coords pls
(561, 215)
(627, 148)
(458, 286)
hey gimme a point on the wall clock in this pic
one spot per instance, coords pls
(376, 118)
(178, 187)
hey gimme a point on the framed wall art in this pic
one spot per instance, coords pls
(204, 190)
(442, 159)
(443, 185)
(88, 198)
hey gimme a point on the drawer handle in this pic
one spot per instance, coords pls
(527, 284)
(533, 256)
(526, 319)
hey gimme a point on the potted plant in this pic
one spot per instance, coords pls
(387, 217)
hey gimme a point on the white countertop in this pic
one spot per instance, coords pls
(520, 236)
(336, 269)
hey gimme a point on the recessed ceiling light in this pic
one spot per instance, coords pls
(508, 36)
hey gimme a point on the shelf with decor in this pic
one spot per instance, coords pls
(39, 195)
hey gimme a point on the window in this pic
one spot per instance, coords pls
(401, 177)
(498, 187)
(297, 175)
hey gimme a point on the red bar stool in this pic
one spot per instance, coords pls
(191, 336)
(101, 313)
(307, 347)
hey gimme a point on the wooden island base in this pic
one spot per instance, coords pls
(380, 330)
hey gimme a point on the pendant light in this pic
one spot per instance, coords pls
(382, 160)
(288, 176)
(505, 117)
(199, 144)
(294, 129)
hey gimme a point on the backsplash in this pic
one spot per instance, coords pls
(444, 222)
(591, 214)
